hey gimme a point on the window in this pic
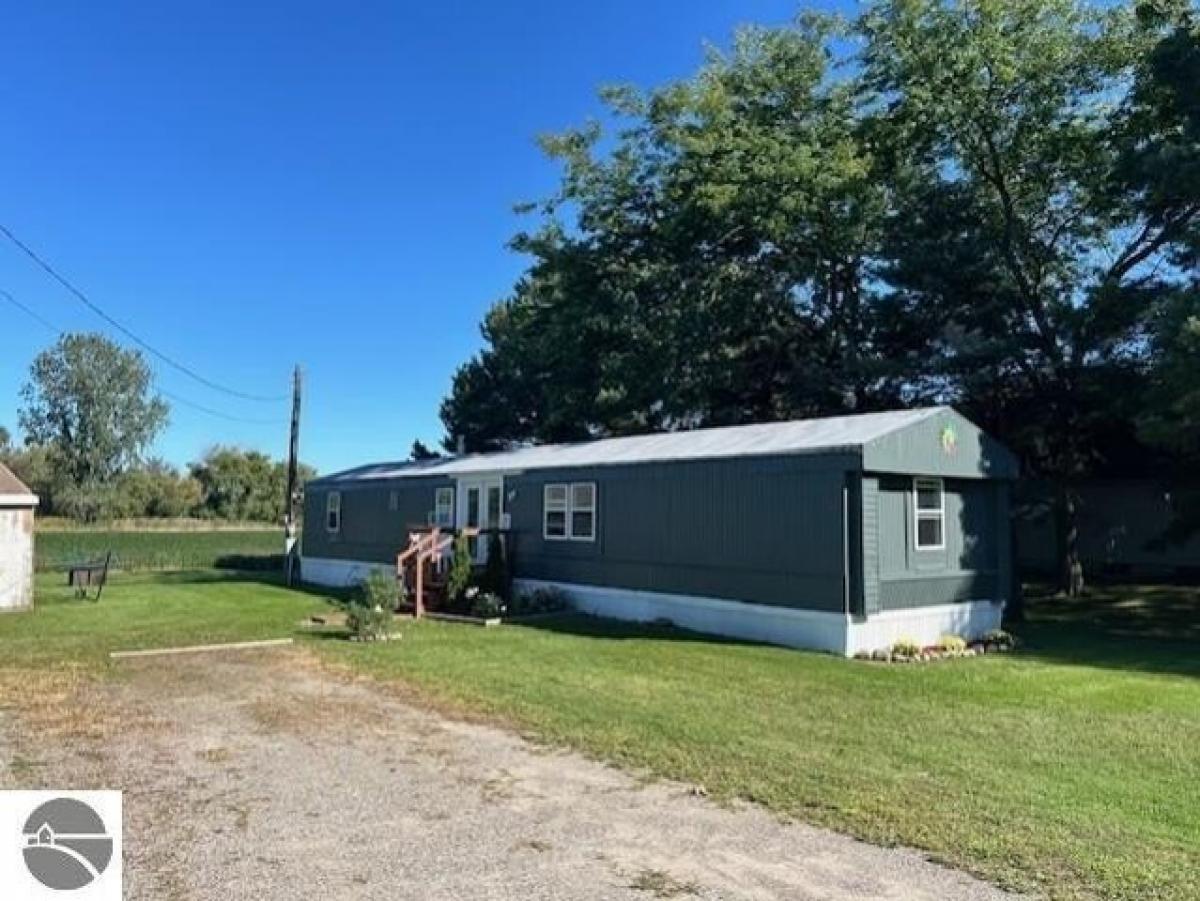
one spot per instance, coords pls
(443, 507)
(554, 511)
(393, 501)
(929, 510)
(333, 512)
(583, 511)
(569, 512)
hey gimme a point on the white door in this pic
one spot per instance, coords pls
(481, 506)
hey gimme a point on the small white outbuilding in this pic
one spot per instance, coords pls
(17, 504)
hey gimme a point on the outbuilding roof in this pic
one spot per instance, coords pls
(766, 439)
(14, 492)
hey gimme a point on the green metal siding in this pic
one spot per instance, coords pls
(920, 450)
(969, 566)
(1005, 557)
(952, 588)
(764, 530)
(371, 530)
(870, 543)
(855, 530)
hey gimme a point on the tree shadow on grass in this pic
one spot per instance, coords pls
(1145, 628)
(225, 577)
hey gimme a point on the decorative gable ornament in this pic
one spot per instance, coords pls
(949, 441)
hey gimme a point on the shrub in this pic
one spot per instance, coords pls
(951, 644)
(487, 605)
(906, 647)
(369, 610)
(1000, 638)
(497, 574)
(542, 600)
(380, 589)
(462, 570)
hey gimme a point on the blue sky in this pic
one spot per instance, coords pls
(248, 186)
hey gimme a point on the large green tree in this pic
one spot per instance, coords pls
(90, 403)
(1037, 245)
(1164, 168)
(243, 485)
(713, 266)
(991, 203)
(155, 490)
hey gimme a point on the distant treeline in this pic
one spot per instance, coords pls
(90, 412)
(226, 484)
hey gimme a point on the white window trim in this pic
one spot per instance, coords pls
(565, 509)
(572, 511)
(919, 514)
(333, 505)
(448, 521)
(568, 510)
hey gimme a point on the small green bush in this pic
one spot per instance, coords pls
(542, 600)
(369, 610)
(1000, 638)
(906, 647)
(497, 574)
(487, 605)
(462, 571)
(951, 644)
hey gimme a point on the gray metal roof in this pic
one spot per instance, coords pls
(766, 439)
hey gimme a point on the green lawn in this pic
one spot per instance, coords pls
(1072, 767)
(146, 610)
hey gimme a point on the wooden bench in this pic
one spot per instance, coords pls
(82, 576)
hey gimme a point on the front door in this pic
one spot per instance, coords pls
(481, 506)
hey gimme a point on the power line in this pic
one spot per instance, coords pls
(32, 314)
(218, 413)
(86, 301)
(175, 397)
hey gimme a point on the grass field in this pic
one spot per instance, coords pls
(1072, 767)
(159, 549)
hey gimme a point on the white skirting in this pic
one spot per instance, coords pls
(837, 633)
(339, 573)
(924, 625)
(753, 622)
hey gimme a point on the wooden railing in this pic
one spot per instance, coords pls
(426, 546)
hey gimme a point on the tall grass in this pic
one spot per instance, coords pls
(157, 550)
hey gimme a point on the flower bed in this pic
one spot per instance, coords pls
(996, 641)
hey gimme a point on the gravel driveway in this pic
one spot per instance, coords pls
(258, 775)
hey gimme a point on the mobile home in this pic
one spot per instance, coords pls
(842, 534)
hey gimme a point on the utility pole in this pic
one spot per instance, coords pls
(292, 499)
